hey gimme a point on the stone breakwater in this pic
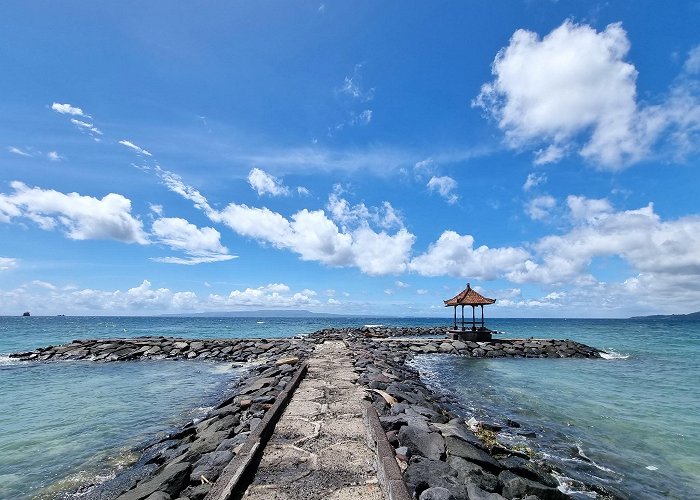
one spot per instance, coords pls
(441, 457)
(185, 464)
(106, 350)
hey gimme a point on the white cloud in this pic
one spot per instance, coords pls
(311, 233)
(7, 263)
(362, 118)
(534, 179)
(54, 156)
(455, 255)
(18, 151)
(422, 291)
(201, 245)
(89, 127)
(346, 215)
(424, 168)
(540, 208)
(401, 284)
(444, 186)
(389, 291)
(648, 245)
(67, 109)
(574, 89)
(302, 191)
(352, 86)
(333, 302)
(44, 284)
(145, 298)
(692, 64)
(275, 295)
(264, 183)
(81, 217)
(134, 147)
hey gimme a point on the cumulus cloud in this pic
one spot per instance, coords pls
(67, 109)
(200, 244)
(54, 156)
(134, 147)
(80, 217)
(540, 208)
(18, 151)
(145, 298)
(312, 234)
(7, 263)
(444, 186)
(639, 237)
(264, 183)
(574, 90)
(454, 255)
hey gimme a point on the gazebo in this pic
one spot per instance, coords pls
(477, 330)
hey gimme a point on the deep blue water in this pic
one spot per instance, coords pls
(631, 422)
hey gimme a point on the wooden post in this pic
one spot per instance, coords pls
(473, 318)
(455, 317)
(482, 315)
(462, 318)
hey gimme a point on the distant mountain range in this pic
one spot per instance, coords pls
(264, 313)
(690, 316)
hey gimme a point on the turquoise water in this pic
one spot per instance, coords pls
(630, 422)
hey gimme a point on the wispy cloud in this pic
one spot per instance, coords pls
(18, 151)
(7, 263)
(54, 156)
(134, 147)
(445, 186)
(534, 179)
(87, 127)
(67, 109)
(352, 86)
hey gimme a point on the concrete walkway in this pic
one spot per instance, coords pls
(318, 449)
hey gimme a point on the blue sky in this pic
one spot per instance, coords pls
(349, 157)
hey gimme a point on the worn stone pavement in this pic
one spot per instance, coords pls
(318, 449)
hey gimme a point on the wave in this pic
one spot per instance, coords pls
(610, 354)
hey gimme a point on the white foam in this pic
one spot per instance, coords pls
(260, 322)
(651, 467)
(373, 326)
(610, 354)
(6, 360)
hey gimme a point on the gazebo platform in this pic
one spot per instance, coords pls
(478, 335)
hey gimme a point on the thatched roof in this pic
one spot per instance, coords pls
(468, 297)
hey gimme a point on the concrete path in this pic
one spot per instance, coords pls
(318, 449)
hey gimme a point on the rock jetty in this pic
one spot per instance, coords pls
(439, 455)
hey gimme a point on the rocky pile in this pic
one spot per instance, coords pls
(106, 350)
(441, 456)
(186, 463)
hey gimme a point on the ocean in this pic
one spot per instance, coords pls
(631, 422)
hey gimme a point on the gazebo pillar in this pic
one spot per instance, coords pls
(473, 318)
(462, 318)
(455, 317)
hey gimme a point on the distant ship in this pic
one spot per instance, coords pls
(26, 314)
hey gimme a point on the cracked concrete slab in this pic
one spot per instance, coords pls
(318, 449)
